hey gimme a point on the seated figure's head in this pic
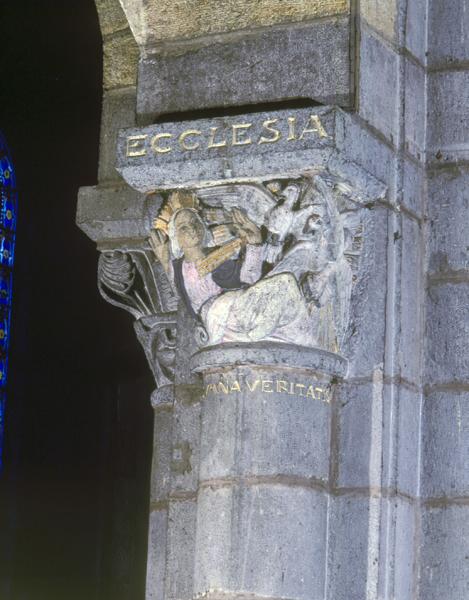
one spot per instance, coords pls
(291, 193)
(187, 230)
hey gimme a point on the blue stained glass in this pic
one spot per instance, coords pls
(5, 288)
(7, 209)
(7, 176)
(4, 334)
(8, 202)
(3, 372)
(2, 419)
(7, 247)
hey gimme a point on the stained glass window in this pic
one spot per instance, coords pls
(8, 202)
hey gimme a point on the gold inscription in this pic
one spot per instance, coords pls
(242, 134)
(291, 129)
(253, 386)
(211, 388)
(300, 387)
(282, 386)
(240, 130)
(235, 387)
(185, 134)
(155, 143)
(211, 141)
(135, 145)
(314, 125)
(267, 125)
(270, 386)
(223, 388)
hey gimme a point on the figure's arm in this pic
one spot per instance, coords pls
(250, 233)
(251, 270)
(246, 229)
(160, 245)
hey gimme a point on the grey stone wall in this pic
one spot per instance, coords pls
(445, 425)
(379, 409)
(394, 522)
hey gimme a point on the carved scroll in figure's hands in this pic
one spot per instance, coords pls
(245, 228)
(273, 248)
(159, 243)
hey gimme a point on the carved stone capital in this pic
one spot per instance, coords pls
(134, 281)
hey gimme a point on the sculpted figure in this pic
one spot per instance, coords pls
(222, 286)
(283, 220)
(294, 287)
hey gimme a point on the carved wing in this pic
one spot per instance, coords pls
(346, 234)
(254, 199)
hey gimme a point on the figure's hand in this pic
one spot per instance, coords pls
(246, 229)
(160, 245)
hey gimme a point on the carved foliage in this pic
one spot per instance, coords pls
(134, 281)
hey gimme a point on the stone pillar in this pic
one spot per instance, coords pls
(245, 478)
(261, 487)
(264, 470)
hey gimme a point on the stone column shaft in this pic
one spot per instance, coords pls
(264, 471)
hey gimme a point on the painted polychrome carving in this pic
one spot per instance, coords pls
(270, 261)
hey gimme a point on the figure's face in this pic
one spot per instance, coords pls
(190, 231)
(291, 193)
(314, 223)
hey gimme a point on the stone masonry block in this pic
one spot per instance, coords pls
(358, 535)
(448, 32)
(268, 540)
(120, 60)
(448, 207)
(111, 16)
(416, 29)
(381, 15)
(367, 324)
(275, 433)
(405, 548)
(204, 165)
(168, 20)
(411, 302)
(408, 436)
(118, 112)
(444, 571)
(378, 85)
(447, 331)
(445, 444)
(308, 61)
(109, 213)
(156, 562)
(415, 126)
(181, 548)
(160, 472)
(361, 146)
(448, 93)
(362, 426)
(357, 415)
(413, 186)
(185, 445)
(351, 520)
